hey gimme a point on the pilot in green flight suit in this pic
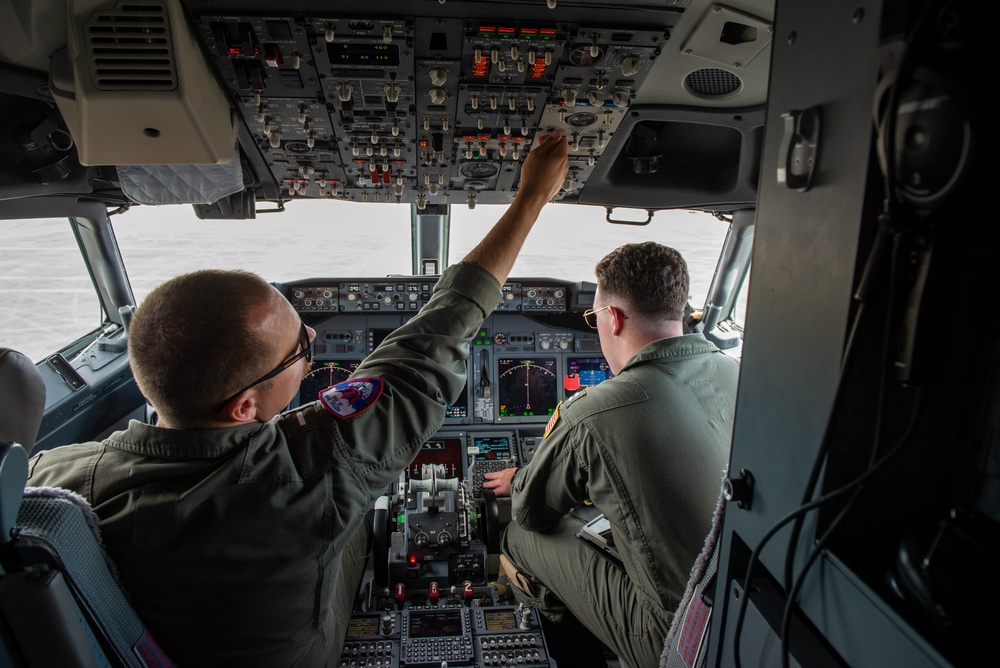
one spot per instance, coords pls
(240, 534)
(648, 448)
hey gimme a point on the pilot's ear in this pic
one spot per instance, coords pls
(618, 319)
(242, 408)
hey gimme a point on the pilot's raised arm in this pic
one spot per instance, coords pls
(237, 529)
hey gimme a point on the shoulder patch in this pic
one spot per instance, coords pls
(352, 396)
(552, 421)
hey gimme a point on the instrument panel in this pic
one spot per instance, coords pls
(531, 353)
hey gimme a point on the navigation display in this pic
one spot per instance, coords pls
(583, 372)
(324, 375)
(527, 387)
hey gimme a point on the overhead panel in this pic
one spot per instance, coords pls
(421, 110)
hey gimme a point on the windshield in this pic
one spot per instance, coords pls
(324, 238)
(310, 239)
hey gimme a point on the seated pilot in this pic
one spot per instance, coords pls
(648, 448)
(238, 529)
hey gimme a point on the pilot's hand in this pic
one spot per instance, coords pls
(544, 170)
(499, 481)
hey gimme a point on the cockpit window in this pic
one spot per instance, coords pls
(309, 239)
(568, 241)
(47, 298)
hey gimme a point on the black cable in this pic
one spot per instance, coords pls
(860, 294)
(777, 526)
(887, 223)
(876, 438)
(821, 543)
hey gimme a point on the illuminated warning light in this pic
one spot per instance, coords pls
(481, 68)
(395, 162)
(361, 161)
(503, 137)
(483, 137)
(469, 137)
(548, 31)
(423, 143)
(235, 51)
(538, 68)
(529, 32)
(413, 559)
(487, 30)
(507, 33)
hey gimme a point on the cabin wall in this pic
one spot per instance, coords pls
(826, 291)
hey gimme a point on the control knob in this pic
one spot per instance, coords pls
(444, 538)
(438, 76)
(421, 539)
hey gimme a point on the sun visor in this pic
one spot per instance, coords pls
(135, 89)
(181, 184)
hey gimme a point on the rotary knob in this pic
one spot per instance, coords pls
(421, 539)
(444, 538)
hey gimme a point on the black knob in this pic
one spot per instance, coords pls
(421, 539)
(739, 489)
(444, 538)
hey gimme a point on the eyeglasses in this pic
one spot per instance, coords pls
(590, 316)
(304, 351)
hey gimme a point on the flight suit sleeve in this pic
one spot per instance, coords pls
(422, 368)
(555, 481)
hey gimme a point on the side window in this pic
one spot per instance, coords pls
(47, 298)
(739, 314)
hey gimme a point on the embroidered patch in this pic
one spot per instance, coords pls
(552, 421)
(351, 397)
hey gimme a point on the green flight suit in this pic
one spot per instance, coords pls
(241, 546)
(648, 448)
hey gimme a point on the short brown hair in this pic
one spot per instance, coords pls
(650, 278)
(191, 342)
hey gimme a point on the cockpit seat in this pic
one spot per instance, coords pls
(60, 603)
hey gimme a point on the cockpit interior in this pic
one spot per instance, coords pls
(769, 116)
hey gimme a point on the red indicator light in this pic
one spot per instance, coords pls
(235, 51)
(413, 559)
(423, 143)
(484, 137)
(487, 29)
(507, 31)
(529, 32)
(469, 137)
(481, 68)
(548, 31)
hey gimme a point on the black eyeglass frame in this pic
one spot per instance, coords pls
(306, 352)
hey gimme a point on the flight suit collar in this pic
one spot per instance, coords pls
(672, 348)
(147, 439)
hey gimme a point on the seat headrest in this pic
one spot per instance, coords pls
(22, 398)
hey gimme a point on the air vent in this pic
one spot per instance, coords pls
(130, 48)
(712, 82)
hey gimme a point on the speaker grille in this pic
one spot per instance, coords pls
(713, 82)
(130, 48)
